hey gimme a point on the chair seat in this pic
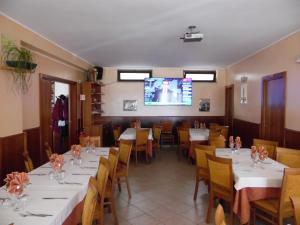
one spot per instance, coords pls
(222, 193)
(202, 173)
(121, 169)
(268, 205)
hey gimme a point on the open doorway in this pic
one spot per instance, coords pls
(58, 114)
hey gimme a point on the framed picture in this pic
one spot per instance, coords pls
(129, 105)
(204, 105)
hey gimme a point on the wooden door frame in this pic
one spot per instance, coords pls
(225, 117)
(71, 83)
(265, 79)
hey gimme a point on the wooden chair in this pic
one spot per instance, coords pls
(289, 157)
(217, 141)
(123, 165)
(219, 216)
(221, 183)
(296, 204)
(141, 142)
(102, 177)
(136, 124)
(224, 131)
(117, 132)
(202, 173)
(184, 140)
(113, 158)
(186, 124)
(90, 203)
(28, 162)
(48, 150)
(270, 146)
(156, 137)
(94, 139)
(275, 210)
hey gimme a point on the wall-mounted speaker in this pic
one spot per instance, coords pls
(99, 72)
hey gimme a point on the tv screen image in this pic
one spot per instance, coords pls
(168, 91)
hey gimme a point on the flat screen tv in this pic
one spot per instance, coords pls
(168, 91)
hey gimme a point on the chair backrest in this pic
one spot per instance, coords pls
(224, 131)
(220, 216)
(113, 158)
(217, 141)
(296, 204)
(125, 151)
(48, 150)
(157, 132)
(289, 157)
(220, 172)
(136, 124)
(141, 136)
(167, 126)
(183, 135)
(90, 202)
(96, 140)
(117, 132)
(270, 146)
(102, 175)
(200, 152)
(289, 188)
(27, 161)
(213, 126)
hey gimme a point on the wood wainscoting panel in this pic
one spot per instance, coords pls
(292, 139)
(33, 145)
(11, 154)
(148, 121)
(246, 130)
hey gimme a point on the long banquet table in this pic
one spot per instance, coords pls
(252, 182)
(130, 135)
(197, 136)
(41, 187)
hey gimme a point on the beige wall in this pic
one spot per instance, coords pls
(115, 92)
(19, 112)
(276, 58)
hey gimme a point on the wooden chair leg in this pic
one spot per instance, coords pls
(128, 187)
(196, 189)
(231, 218)
(210, 205)
(114, 211)
(135, 157)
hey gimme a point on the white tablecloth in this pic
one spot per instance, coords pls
(198, 134)
(264, 174)
(130, 134)
(42, 186)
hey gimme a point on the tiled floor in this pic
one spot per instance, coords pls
(162, 193)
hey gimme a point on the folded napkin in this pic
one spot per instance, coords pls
(16, 183)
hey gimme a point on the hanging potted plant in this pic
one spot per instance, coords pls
(20, 60)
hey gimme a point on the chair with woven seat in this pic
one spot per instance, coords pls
(217, 141)
(202, 173)
(113, 158)
(221, 183)
(117, 132)
(90, 203)
(123, 164)
(141, 143)
(296, 204)
(48, 150)
(288, 157)
(184, 141)
(270, 146)
(156, 137)
(102, 178)
(220, 216)
(275, 210)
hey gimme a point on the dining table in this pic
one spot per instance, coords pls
(47, 201)
(252, 181)
(130, 135)
(197, 136)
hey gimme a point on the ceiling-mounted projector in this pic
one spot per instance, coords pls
(192, 36)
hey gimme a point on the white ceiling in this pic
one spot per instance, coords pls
(145, 33)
